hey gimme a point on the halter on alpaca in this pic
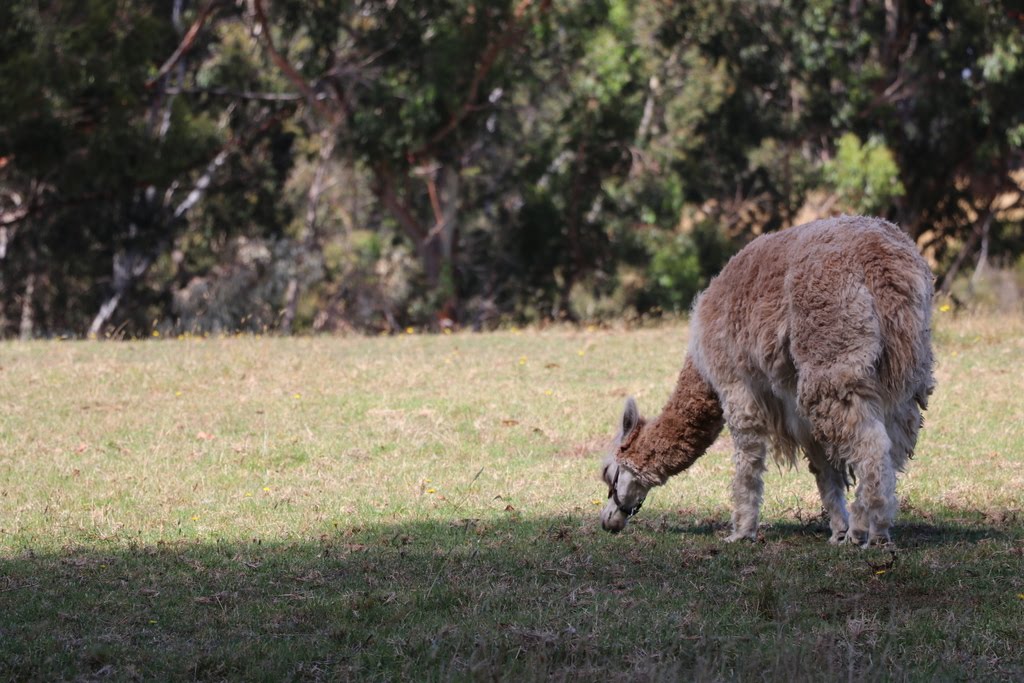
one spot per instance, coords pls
(614, 495)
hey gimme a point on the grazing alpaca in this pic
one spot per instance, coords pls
(812, 339)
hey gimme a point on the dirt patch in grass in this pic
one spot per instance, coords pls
(592, 449)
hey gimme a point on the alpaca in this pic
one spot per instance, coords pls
(815, 339)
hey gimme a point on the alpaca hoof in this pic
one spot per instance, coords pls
(880, 541)
(838, 537)
(857, 539)
(739, 536)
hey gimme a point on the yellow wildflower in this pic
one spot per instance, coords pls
(945, 308)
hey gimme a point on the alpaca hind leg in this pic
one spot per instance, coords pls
(875, 505)
(747, 486)
(832, 489)
(859, 523)
(903, 424)
(836, 341)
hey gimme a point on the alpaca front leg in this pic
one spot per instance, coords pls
(747, 487)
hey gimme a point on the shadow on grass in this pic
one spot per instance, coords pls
(906, 534)
(512, 598)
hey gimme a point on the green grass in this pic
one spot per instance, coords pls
(426, 508)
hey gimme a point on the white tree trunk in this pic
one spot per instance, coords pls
(26, 326)
(316, 188)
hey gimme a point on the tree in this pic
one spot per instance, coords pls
(207, 165)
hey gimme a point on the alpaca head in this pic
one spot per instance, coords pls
(626, 492)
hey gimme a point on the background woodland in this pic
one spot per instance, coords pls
(192, 166)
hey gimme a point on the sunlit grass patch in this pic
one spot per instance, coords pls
(423, 506)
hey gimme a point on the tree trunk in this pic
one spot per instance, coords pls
(892, 25)
(291, 305)
(982, 266)
(104, 314)
(648, 116)
(316, 188)
(437, 250)
(980, 231)
(26, 326)
(449, 199)
(128, 267)
(435, 247)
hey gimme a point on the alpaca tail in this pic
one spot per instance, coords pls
(902, 288)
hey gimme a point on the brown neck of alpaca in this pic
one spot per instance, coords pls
(687, 426)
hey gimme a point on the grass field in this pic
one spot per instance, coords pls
(425, 507)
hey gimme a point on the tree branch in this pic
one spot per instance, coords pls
(236, 94)
(385, 191)
(509, 37)
(186, 42)
(34, 208)
(131, 265)
(287, 69)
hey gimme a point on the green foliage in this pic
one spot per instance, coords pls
(1005, 59)
(102, 158)
(489, 160)
(605, 68)
(864, 175)
(1015, 136)
(676, 273)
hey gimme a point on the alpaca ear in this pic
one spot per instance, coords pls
(630, 417)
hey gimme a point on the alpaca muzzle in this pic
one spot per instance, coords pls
(616, 513)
